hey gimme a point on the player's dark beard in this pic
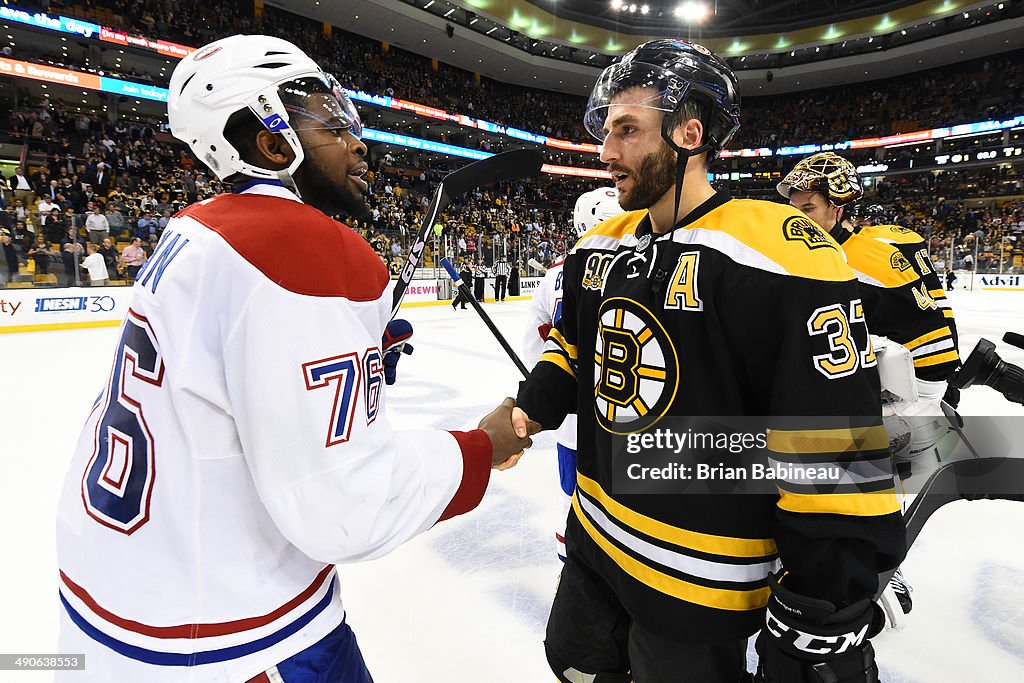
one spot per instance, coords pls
(320, 191)
(655, 176)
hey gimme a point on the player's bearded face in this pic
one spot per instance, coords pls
(326, 175)
(330, 177)
(653, 176)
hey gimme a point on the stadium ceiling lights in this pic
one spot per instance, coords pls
(692, 12)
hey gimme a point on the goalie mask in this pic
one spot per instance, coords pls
(593, 207)
(826, 173)
(270, 77)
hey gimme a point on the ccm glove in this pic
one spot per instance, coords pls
(805, 640)
(394, 343)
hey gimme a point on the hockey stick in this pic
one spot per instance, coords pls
(959, 480)
(468, 295)
(534, 263)
(975, 477)
(513, 165)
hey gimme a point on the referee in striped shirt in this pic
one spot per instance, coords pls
(501, 270)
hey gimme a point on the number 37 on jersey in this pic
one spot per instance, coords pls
(849, 345)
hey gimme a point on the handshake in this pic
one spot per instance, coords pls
(509, 430)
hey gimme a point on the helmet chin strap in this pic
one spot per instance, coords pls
(284, 175)
(837, 229)
(682, 158)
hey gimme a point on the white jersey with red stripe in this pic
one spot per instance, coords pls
(241, 448)
(545, 311)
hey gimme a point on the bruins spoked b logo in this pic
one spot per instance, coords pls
(637, 371)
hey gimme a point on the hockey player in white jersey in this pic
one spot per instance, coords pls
(241, 446)
(545, 310)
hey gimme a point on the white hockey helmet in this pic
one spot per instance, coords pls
(274, 79)
(593, 207)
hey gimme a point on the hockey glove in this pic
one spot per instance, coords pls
(394, 343)
(806, 640)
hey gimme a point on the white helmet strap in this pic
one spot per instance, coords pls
(268, 108)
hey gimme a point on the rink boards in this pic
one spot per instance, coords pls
(41, 309)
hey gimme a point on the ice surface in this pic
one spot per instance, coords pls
(467, 601)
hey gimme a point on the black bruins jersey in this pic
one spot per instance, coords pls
(903, 297)
(745, 308)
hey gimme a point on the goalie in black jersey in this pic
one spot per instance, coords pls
(904, 300)
(695, 304)
(905, 306)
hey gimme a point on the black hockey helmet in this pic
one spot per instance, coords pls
(676, 71)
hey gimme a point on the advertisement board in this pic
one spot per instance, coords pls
(41, 309)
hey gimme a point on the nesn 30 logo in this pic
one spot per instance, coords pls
(71, 303)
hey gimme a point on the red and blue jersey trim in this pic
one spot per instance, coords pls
(194, 632)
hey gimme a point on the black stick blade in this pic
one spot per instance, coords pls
(511, 165)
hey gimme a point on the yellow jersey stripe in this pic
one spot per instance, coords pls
(556, 336)
(937, 359)
(559, 360)
(925, 338)
(694, 540)
(828, 440)
(948, 313)
(937, 293)
(856, 504)
(715, 598)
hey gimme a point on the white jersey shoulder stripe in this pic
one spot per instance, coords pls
(718, 240)
(605, 242)
(867, 279)
(729, 246)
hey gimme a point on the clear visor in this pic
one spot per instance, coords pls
(319, 102)
(634, 84)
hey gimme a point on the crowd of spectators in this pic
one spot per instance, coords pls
(519, 221)
(117, 183)
(116, 186)
(958, 226)
(96, 182)
(982, 89)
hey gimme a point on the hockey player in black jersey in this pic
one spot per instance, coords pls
(694, 304)
(904, 302)
(903, 297)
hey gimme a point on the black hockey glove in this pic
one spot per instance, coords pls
(805, 640)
